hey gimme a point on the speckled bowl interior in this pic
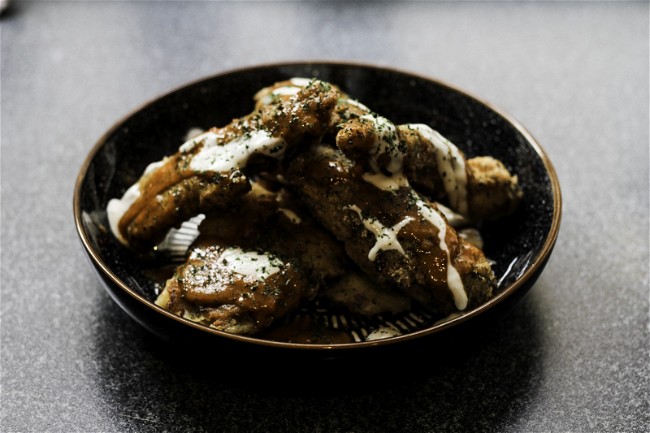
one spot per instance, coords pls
(519, 245)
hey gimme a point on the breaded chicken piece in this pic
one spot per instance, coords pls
(394, 235)
(491, 190)
(479, 188)
(346, 108)
(240, 291)
(208, 171)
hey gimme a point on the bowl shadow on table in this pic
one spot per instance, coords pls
(480, 379)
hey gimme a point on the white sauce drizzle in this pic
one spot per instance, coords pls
(451, 166)
(386, 183)
(235, 153)
(211, 157)
(286, 91)
(265, 97)
(300, 81)
(251, 266)
(117, 207)
(268, 98)
(209, 138)
(453, 277)
(386, 142)
(386, 237)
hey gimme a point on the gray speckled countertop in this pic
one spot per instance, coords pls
(573, 357)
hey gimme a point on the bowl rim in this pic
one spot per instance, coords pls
(505, 293)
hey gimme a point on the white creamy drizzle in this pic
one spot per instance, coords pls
(211, 157)
(451, 166)
(265, 97)
(208, 138)
(301, 81)
(386, 237)
(235, 153)
(117, 207)
(386, 142)
(386, 183)
(286, 91)
(279, 91)
(251, 266)
(453, 277)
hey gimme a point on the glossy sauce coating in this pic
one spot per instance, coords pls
(423, 265)
(232, 289)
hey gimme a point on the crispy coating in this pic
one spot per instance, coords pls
(356, 138)
(493, 192)
(161, 207)
(421, 166)
(333, 188)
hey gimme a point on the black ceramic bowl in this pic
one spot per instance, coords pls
(520, 245)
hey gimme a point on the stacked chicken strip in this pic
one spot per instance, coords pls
(314, 194)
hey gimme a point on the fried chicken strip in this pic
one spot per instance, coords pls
(240, 291)
(479, 188)
(208, 171)
(394, 235)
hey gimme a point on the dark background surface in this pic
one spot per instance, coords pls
(572, 357)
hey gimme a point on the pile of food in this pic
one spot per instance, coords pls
(314, 196)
